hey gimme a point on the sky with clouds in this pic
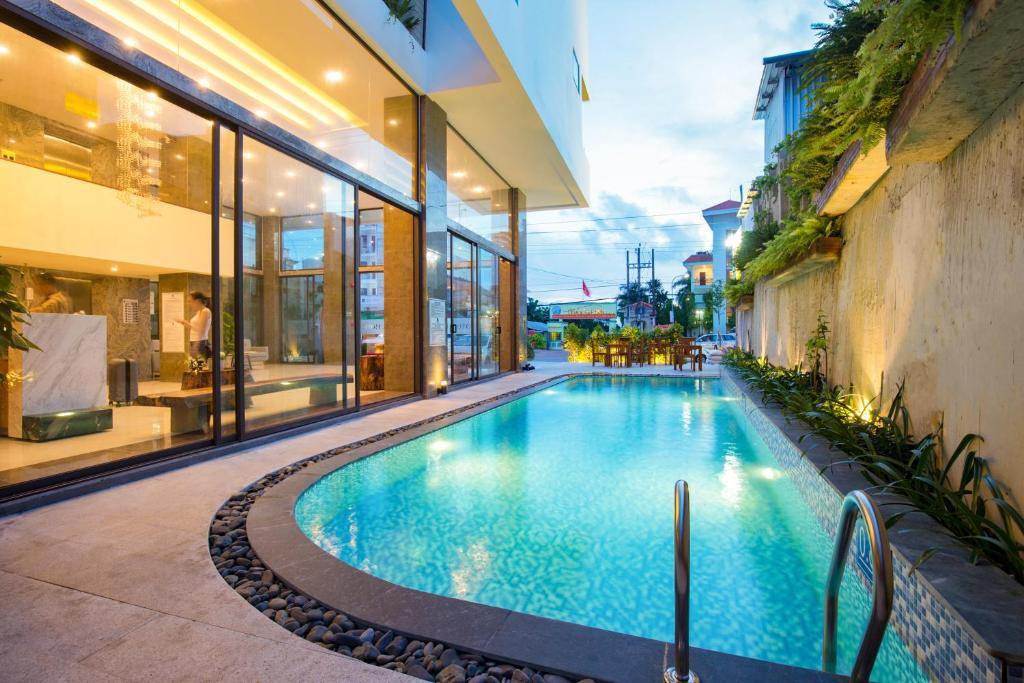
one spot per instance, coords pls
(668, 131)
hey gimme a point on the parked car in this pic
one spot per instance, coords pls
(715, 341)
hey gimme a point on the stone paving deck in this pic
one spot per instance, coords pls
(118, 584)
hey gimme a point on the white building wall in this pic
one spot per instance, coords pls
(538, 37)
(774, 122)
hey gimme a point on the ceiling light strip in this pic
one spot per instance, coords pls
(168, 45)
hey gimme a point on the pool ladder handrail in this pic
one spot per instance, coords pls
(682, 581)
(858, 503)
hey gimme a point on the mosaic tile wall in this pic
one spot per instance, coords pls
(932, 633)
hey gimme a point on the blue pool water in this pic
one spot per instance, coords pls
(560, 504)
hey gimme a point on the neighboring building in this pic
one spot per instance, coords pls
(350, 197)
(724, 224)
(563, 314)
(783, 101)
(640, 315)
(701, 272)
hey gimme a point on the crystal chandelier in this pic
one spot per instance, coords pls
(139, 141)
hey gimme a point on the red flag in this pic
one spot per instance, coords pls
(586, 290)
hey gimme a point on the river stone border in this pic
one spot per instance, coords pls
(332, 629)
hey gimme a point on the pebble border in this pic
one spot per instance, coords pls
(238, 565)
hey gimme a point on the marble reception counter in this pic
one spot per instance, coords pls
(63, 387)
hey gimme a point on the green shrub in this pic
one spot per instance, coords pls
(538, 341)
(972, 507)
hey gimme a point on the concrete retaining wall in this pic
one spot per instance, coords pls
(930, 289)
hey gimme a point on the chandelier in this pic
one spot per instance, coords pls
(139, 141)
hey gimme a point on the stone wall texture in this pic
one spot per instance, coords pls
(928, 291)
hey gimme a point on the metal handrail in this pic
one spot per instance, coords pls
(881, 605)
(682, 569)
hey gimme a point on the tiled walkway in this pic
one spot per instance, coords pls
(118, 585)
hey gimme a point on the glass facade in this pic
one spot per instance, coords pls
(478, 199)
(292, 64)
(187, 284)
(192, 282)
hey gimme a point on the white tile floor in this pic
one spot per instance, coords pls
(118, 585)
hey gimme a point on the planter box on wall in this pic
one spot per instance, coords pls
(950, 96)
(855, 175)
(823, 252)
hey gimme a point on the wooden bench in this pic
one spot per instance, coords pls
(190, 408)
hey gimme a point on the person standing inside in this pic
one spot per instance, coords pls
(54, 299)
(199, 325)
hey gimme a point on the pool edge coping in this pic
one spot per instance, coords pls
(971, 593)
(555, 646)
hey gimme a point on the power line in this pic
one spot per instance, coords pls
(614, 218)
(568, 275)
(665, 226)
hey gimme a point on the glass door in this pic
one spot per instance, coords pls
(487, 313)
(462, 326)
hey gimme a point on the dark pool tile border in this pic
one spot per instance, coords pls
(555, 646)
(988, 602)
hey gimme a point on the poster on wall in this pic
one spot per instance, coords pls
(172, 333)
(436, 315)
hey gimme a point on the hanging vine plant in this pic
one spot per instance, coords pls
(404, 12)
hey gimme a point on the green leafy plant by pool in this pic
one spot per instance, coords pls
(959, 493)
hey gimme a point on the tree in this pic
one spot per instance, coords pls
(714, 298)
(685, 304)
(632, 293)
(752, 242)
(537, 312)
(661, 301)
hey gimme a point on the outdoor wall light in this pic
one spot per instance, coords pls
(442, 387)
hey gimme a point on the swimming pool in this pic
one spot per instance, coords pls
(560, 504)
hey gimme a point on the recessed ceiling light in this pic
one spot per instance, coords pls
(392, 122)
(334, 76)
(311, 205)
(458, 174)
(290, 174)
(179, 157)
(361, 165)
(322, 144)
(204, 82)
(150, 113)
(74, 58)
(324, 188)
(479, 189)
(4, 50)
(113, 269)
(272, 210)
(90, 124)
(11, 141)
(151, 94)
(130, 42)
(247, 155)
(280, 194)
(261, 113)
